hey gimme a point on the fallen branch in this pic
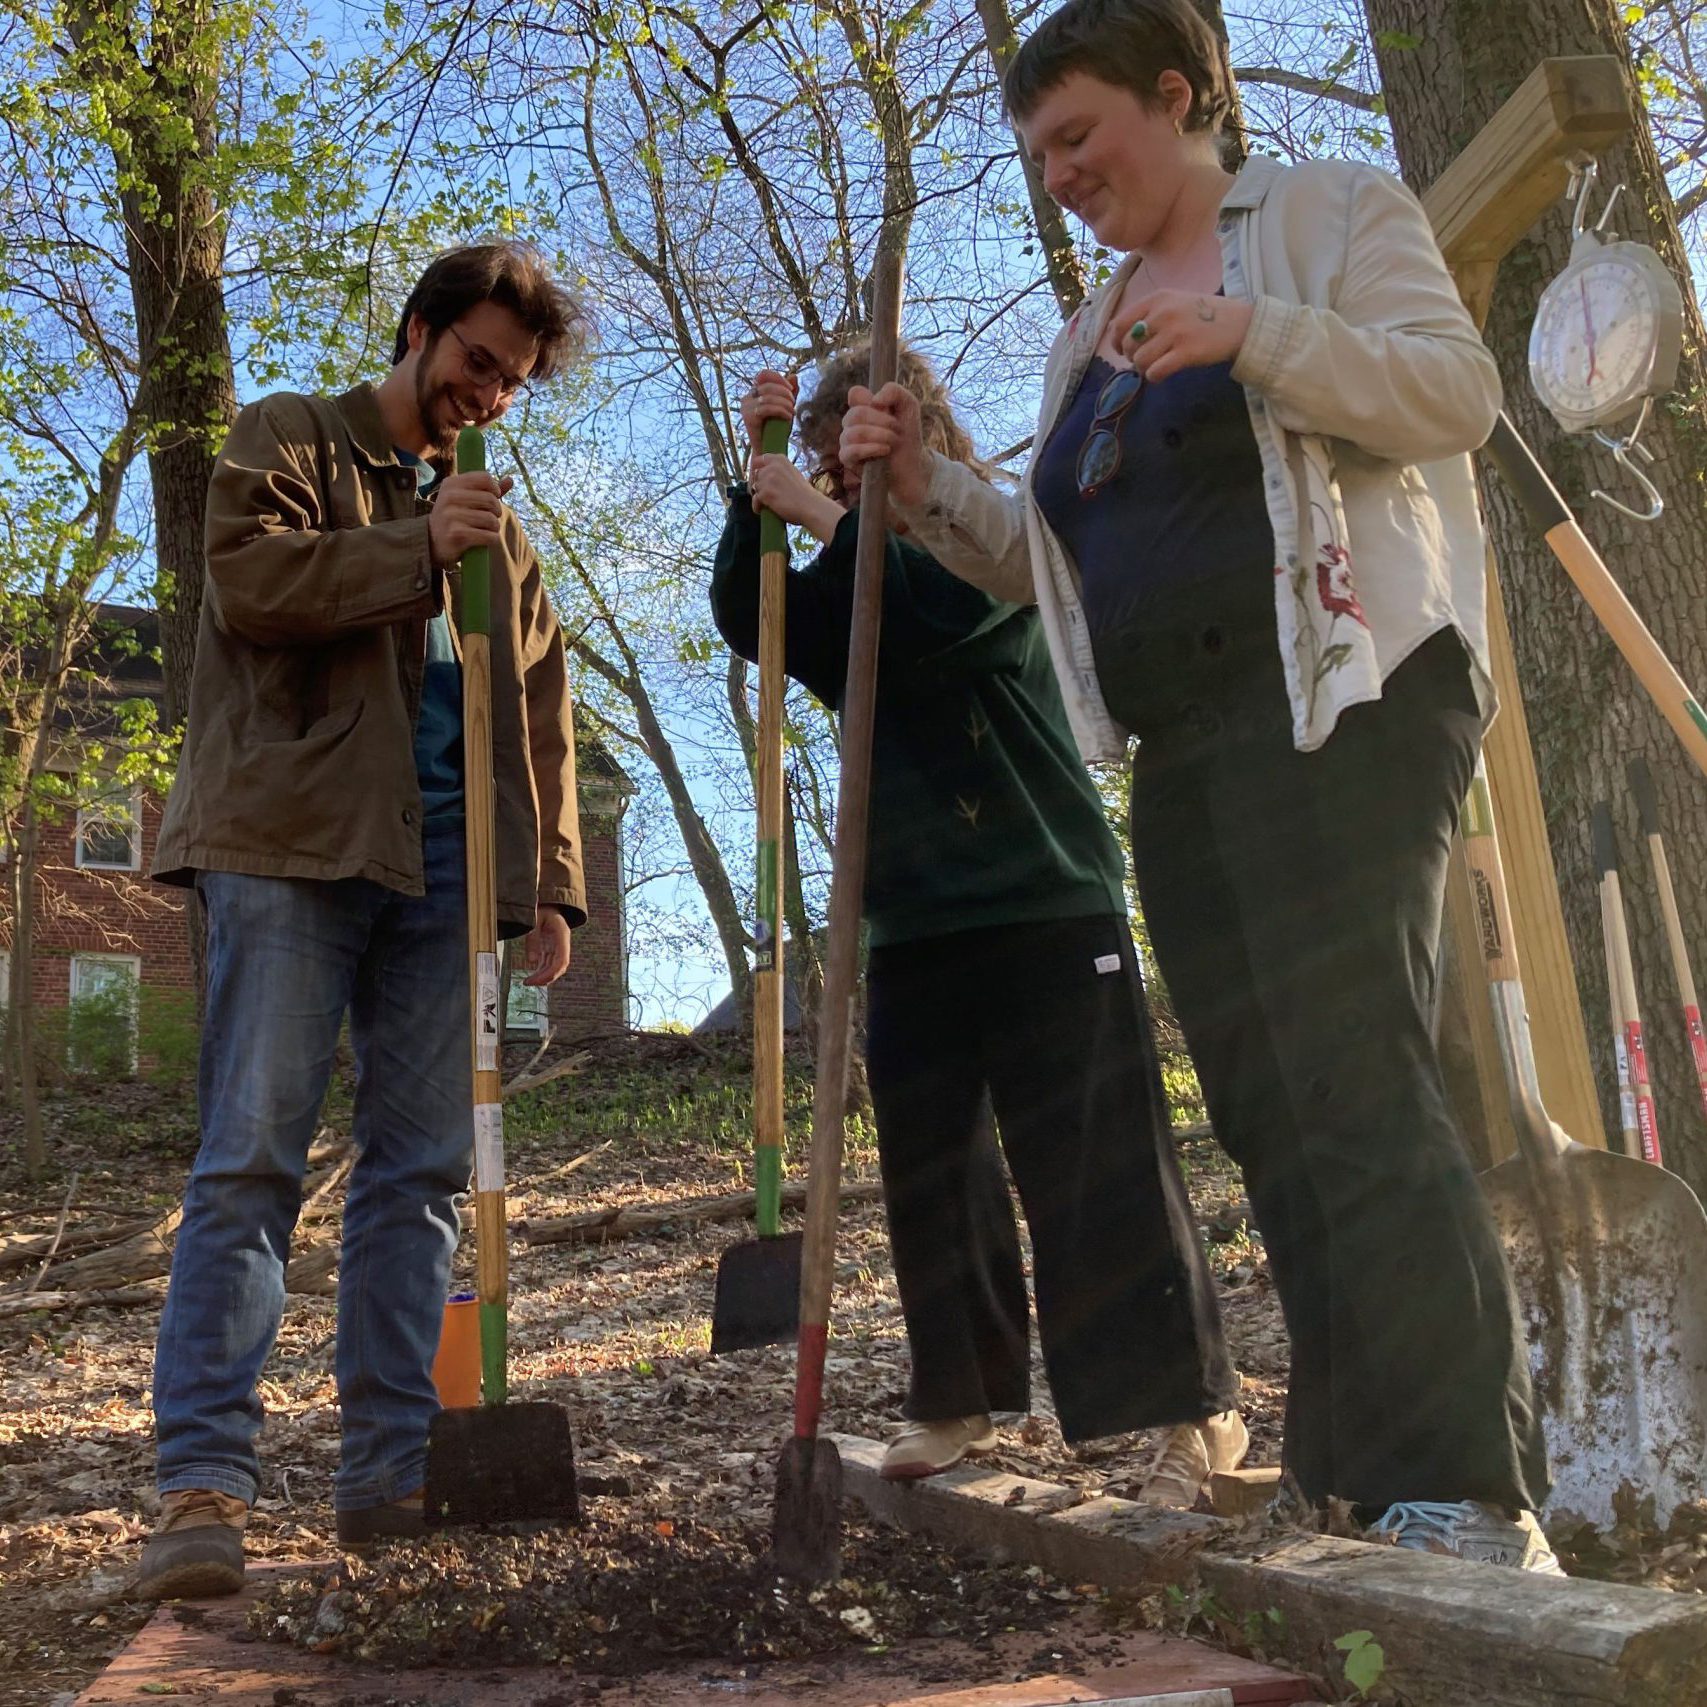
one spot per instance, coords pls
(314, 1271)
(143, 1256)
(112, 1298)
(547, 1075)
(21, 1252)
(600, 1226)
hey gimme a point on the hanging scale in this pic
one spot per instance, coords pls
(1606, 340)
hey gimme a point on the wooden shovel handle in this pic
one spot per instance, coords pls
(847, 876)
(491, 1235)
(1618, 996)
(769, 972)
(1552, 516)
(1648, 810)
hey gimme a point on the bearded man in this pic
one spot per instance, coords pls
(318, 813)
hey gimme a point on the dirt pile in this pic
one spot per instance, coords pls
(625, 1593)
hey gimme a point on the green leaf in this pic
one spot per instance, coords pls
(1365, 1660)
(1397, 41)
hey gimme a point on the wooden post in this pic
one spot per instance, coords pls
(1512, 172)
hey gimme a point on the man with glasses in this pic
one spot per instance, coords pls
(318, 812)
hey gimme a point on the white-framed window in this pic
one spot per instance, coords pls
(109, 831)
(527, 1010)
(102, 975)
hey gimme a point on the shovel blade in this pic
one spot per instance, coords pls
(501, 1464)
(758, 1295)
(806, 1535)
(1613, 1289)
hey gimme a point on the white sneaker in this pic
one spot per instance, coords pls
(1468, 1530)
(1185, 1460)
(927, 1448)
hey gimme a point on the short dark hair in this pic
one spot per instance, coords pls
(1128, 43)
(513, 275)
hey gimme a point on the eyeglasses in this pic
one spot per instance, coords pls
(1099, 455)
(483, 370)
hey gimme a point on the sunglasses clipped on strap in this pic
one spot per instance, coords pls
(1100, 454)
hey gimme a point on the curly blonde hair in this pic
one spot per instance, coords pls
(819, 418)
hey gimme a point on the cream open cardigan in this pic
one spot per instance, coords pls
(1368, 386)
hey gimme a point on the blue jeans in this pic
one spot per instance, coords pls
(286, 959)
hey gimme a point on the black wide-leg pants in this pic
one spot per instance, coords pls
(1294, 905)
(1045, 1024)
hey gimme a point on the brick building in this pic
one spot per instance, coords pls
(99, 917)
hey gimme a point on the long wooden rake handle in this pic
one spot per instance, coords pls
(491, 1235)
(847, 879)
(770, 971)
(1565, 538)
(1648, 811)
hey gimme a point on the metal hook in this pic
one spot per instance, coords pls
(1621, 449)
(1584, 170)
(1585, 174)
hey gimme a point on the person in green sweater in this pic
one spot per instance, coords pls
(1002, 976)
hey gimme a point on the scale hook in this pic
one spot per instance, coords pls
(1621, 449)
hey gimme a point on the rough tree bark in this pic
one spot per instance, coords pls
(1587, 713)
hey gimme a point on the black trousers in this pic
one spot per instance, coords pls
(1294, 905)
(1046, 1025)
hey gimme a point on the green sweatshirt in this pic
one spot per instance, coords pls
(981, 811)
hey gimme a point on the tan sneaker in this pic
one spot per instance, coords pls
(925, 1449)
(1184, 1460)
(196, 1550)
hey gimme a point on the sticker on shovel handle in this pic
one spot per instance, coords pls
(1487, 881)
(486, 1016)
(488, 1146)
(766, 927)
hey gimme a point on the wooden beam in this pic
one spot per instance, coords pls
(1452, 1633)
(1514, 169)
(1485, 201)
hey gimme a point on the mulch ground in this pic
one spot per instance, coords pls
(627, 1591)
(678, 1448)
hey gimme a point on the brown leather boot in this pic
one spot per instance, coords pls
(196, 1550)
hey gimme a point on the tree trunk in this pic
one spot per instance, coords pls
(175, 246)
(1588, 715)
(175, 249)
(1235, 142)
(1060, 257)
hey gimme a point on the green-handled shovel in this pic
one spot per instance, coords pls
(758, 1283)
(495, 1462)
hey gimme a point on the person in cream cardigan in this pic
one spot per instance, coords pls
(1250, 526)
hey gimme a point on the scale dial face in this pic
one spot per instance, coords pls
(1599, 343)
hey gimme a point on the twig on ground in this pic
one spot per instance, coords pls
(546, 1075)
(569, 1167)
(58, 1233)
(599, 1226)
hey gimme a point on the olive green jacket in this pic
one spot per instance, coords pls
(299, 756)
